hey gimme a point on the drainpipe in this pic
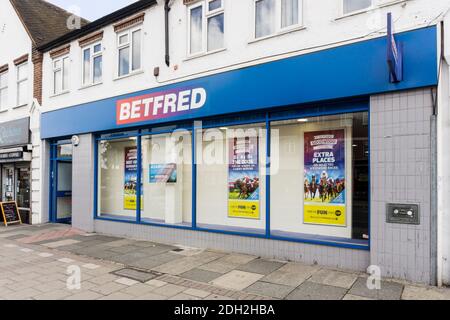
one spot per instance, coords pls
(166, 11)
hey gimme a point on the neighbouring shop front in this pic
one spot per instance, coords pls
(15, 165)
(273, 159)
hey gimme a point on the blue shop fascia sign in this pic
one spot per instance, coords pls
(354, 70)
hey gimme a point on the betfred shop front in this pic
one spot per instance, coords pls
(275, 159)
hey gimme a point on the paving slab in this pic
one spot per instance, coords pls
(197, 293)
(267, 289)
(179, 266)
(126, 281)
(156, 283)
(156, 249)
(151, 296)
(261, 266)
(125, 249)
(154, 261)
(219, 266)
(169, 290)
(183, 297)
(315, 291)
(138, 289)
(334, 278)
(128, 258)
(237, 258)
(352, 297)
(200, 275)
(118, 296)
(237, 280)
(291, 274)
(85, 295)
(109, 288)
(389, 290)
(56, 244)
(137, 275)
(425, 293)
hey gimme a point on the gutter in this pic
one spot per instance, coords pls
(166, 22)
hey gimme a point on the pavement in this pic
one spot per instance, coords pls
(56, 262)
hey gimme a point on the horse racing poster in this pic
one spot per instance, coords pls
(130, 178)
(324, 184)
(243, 178)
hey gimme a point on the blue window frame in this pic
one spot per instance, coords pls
(336, 108)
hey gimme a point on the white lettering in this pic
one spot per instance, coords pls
(147, 103)
(157, 104)
(183, 100)
(136, 109)
(198, 98)
(125, 111)
(170, 101)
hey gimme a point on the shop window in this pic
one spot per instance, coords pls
(129, 51)
(167, 178)
(320, 178)
(206, 26)
(117, 178)
(350, 6)
(3, 91)
(92, 64)
(231, 178)
(272, 16)
(60, 75)
(22, 84)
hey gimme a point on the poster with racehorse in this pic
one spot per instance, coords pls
(324, 178)
(243, 178)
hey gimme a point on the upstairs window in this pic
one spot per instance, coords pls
(22, 84)
(272, 16)
(206, 26)
(356, 5)
(3, 90)
(60, 75)
(92, 64)
(129, 51)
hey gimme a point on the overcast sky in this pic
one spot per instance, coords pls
(92, 9)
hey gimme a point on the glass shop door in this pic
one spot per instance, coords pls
(8, 183)
(61, 183)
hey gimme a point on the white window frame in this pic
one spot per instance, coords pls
(343, 13)
(61, 68)
(20, 81)
(92, 56)
(206, 14)
(129, 44)
(279, 29)
(5, 87)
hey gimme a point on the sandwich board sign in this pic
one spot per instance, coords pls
(10, 213)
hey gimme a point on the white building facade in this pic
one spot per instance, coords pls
(269, 127)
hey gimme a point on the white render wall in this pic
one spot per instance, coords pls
(14, 43)
(323, 26)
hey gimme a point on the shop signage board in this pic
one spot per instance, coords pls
(10, 213)
(163, 173)
(15, 133)
(324, 182)
(160, 105)
(244, 178)
(130, 183)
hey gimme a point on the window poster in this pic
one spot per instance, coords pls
(163, 173)
(324, 184)
(243, 178)
(130, 185)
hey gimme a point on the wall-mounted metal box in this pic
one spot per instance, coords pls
(403, 213)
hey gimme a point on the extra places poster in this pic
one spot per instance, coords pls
(243, 178)
(325, 184)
